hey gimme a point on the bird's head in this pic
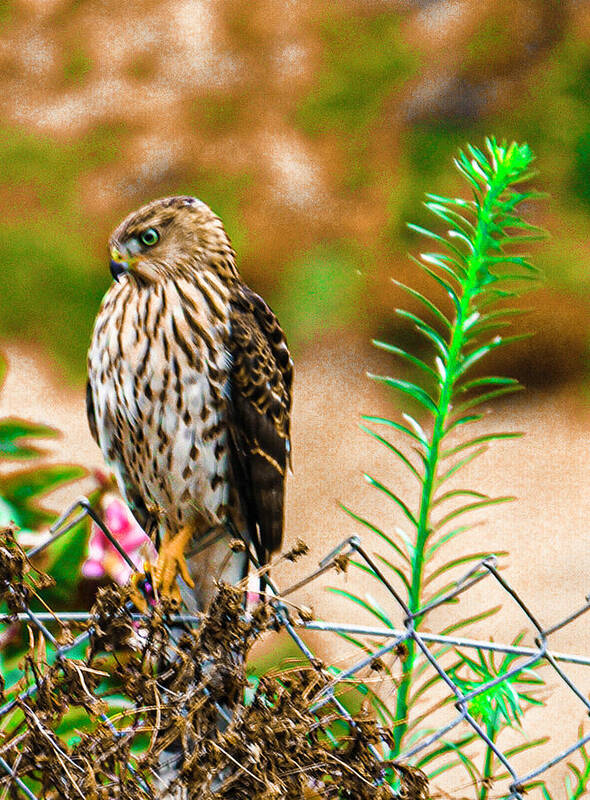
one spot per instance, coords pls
(169, 239)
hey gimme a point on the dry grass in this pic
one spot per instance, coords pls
(172, 684)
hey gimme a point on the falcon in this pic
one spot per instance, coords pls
(189, 396)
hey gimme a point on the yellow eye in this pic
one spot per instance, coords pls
(149, 237)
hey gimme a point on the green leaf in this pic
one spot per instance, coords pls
(457, 562)
(435, 596)
(396, 570)
(479, 352)
(12, 430)
(465, 420)
(469, 765)
(478, 330)
(426, 330)
(66, 557)
(409, 388)
(430, 711)
(419, 430)
(476, 506)
(408, 543)
(394, 450)
(484, 439)
(482, 160)
(465, 170)
(24, 488)
(356, 642)
(440, 239)
(395, 425)
(376, 530)
(447, 264)
(464, 623)
(425, 302)
(463, 462)
(507, 259)
(446, 538)
(363, 604)
(441, 282)
(455, 220)
(417, 362)
(465, 239)
(521, 748)
(457, 493)
(468, 205)
(487, 396)
(427, 685)
(503, 313)
(8, 514)
(489, 380)
(392, 496)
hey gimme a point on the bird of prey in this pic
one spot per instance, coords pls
(189, 395)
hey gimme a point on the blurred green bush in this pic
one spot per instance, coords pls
(310, 134)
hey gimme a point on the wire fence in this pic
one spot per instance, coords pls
(333, 683)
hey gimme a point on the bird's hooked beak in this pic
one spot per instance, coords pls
(119, 264)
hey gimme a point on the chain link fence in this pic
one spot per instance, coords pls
(324, 700)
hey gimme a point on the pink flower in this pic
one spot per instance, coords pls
(103, 558)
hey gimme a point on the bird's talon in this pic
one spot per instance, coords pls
(171, 563)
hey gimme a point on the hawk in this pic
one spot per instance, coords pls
(189, 395)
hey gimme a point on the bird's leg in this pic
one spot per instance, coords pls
(171, 562)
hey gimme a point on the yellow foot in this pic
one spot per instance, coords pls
(171, 562)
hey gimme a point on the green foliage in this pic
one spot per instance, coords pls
(501, 705)
(364, 61)
(54, 261)
(6, 12)
(77, 67)
(581, 166)
(50, 270)
(13, 430)
(323, 282)
(218, 112)
(22, 491)
(480, 268)
(504, 703)
(576, 781)
(51, 170)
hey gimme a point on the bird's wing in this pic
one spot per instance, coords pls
(259, 416)
(90, 412)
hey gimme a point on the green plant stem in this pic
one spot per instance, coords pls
(475, 262)
(492, 732)
(582, 786)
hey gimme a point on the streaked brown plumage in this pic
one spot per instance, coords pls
(189, 390)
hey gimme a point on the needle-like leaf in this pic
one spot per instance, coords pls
(478, 268)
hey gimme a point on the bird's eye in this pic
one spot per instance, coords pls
(149, 237)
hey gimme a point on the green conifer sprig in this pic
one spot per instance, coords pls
(479, 264)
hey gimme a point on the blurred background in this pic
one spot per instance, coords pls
(313, 129)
